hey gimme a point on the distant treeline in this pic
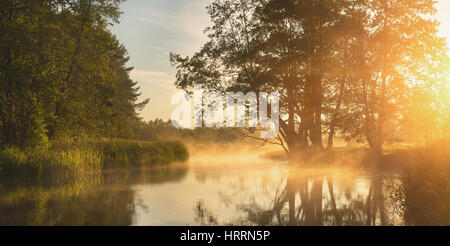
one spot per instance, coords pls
(62, 72)
(159, 130)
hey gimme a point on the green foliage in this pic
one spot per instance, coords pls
(68, 158)
(158, 130)
(63, 73)
(343, 68)
(128, 153)
(11, 157)
(124, 153)
(45, 163)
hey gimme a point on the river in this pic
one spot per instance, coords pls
(208, 190)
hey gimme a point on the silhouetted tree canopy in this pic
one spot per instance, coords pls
(353, 68)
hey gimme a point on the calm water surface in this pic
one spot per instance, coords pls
(241, 190)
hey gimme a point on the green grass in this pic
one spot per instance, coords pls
(64, 158)
(38, 162)
(122, 153)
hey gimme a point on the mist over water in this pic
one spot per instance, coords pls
(355, 94)
(220, 185)
(224, 188)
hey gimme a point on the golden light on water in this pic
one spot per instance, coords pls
(363, 117)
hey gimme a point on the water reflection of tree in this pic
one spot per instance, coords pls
(312, 209)
(203, 215)
(93, 199)
(313, 200)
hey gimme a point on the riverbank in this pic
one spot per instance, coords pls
(395, 157)
(425, 192)
(65, 158)
(421, 194)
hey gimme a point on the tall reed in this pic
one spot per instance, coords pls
(70, 157)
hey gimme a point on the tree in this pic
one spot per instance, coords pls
(287, 46)
(342, 67)
(401, 52)
(63, 73)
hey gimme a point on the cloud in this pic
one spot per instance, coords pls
(159, 87)
(162, 80)
(190, 20)
(151, 30)
(160, 20)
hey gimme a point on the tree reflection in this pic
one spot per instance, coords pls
(312, 201)
(306, 199)
(104, 198)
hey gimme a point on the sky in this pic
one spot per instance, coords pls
(151, 29)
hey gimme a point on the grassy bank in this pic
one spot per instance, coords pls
(68, 157)
(425, 191)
